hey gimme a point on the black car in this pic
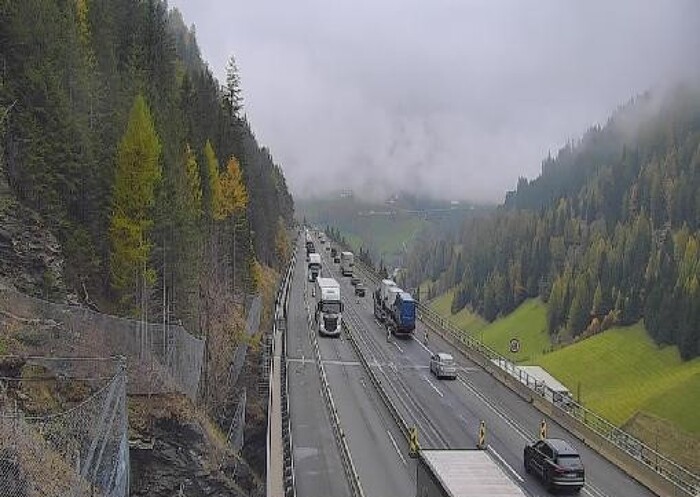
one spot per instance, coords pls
(360, 290)
(556, 462)
(354, 281)
(336, 260)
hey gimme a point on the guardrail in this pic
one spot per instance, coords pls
(281, 400)
(572, 415)
(338, 433)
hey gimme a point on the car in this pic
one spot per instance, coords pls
(336, 260)
(354, 281)
(327, 247)
(556, 462)
(360, 290)
(442, 365)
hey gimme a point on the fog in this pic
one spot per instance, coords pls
(453, 99)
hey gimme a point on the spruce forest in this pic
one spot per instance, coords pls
(609, 233)
(117, 133)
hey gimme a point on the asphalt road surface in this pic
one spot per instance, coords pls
(376, 444)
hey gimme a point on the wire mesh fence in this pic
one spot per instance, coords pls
(161, 357)
(77, 451)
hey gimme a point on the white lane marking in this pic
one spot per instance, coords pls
(422, 345)
(397, 346)
(593, 490)
(433, 385)
(301, 361)
(341, 363)
(396, 447)
(510, 423)
(520, 478)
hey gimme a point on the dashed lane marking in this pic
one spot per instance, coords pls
(433, 386)
(396, 448)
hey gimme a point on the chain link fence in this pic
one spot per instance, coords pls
(79, 451)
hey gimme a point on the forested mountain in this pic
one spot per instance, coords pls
(143, 164)
(608, 233)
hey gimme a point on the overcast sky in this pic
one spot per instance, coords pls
(450, 98)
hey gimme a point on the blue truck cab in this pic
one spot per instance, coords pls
(405, 313)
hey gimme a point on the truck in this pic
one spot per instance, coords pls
(462, 473)
(310, 249)
(394, 308)
(347, 263)
(329, 308)
(314, 267)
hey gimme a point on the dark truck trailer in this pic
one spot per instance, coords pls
(462, 473)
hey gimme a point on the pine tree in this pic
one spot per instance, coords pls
(233, 97)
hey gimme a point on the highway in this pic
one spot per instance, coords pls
(317, 463)
(375, 442)
(447, 413)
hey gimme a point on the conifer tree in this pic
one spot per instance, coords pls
(137, 173)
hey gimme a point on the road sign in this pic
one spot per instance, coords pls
(514, 345)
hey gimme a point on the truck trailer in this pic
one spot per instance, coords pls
(462, 473)
(394, 308)
(329, 308)
(347, 263)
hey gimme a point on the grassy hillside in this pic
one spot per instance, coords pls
(528, 324)
(464, 319)
(367, 225)
(622, 371)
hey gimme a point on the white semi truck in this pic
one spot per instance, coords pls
(314, 267)
(457, 473)
(328, 312)
(347, 263)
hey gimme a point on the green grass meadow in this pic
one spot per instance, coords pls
(622, 371)
(528, 324)
(464, 319)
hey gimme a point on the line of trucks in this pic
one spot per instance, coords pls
(448, 472)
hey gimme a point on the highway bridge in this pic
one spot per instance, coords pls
(352, 398)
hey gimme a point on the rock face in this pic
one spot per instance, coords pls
(30, 256)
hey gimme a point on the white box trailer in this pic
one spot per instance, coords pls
(329, 308)
(462, 473)
(546, 385)
(347, 263)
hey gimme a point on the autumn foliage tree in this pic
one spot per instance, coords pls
(137, 173)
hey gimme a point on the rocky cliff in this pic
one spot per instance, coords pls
(30, 255)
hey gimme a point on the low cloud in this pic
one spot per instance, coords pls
(449, 98)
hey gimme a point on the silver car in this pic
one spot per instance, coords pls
(442, 365)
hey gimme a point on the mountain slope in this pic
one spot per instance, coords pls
(607, 234)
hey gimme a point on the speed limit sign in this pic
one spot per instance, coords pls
(514, 345)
